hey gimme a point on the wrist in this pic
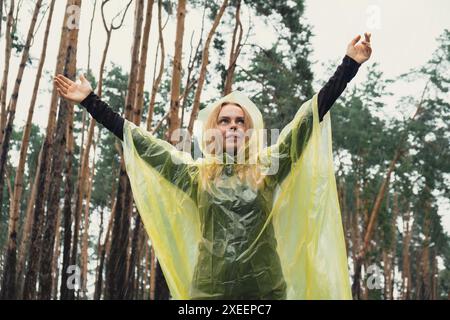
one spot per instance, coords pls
(88, 99)
(349, 59)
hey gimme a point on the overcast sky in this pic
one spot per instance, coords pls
(403, 37)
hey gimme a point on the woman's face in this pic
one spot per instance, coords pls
(231, 123)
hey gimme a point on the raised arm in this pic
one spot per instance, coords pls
(168, 161)
(327, 96)
(83, 94)
(357, 53)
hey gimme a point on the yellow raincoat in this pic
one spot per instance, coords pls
(282, 241)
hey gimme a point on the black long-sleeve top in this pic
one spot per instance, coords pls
(345, 72)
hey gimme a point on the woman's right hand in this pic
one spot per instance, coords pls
(72, 91)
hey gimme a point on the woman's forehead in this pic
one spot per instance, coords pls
(231, 110)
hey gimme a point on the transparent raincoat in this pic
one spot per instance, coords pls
(231, 240)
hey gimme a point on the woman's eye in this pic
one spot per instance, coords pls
(241, 121)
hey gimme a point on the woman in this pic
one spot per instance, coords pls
(229, 229)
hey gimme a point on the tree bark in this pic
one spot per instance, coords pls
(65, 119)
(4, 87)
(157, 81)
(173, 119)
(9, 276)
(234, 51)
(117, 273)
(43, 177)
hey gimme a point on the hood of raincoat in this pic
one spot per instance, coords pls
(236, 96)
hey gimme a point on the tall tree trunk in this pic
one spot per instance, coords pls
(173, 119)
(1, 15)
(356, 235)
(4, 87)
(67, 211)
(137, 113)
(406, 273)
(234, 51)
(157, 81)
(139, 99)
(9, 275)
(205, 61)
(14, 96)
(424, 272)
(102, 252)
(44, 177)
(26, 231)
(371, 223)
(65, 120)
(152, 273)
(117, 275)
(85, 240)
(18, 182)
(55, 269)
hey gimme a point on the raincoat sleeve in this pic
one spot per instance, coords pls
(290, 143)
(175, 166)
(163, 181)
(306, 215)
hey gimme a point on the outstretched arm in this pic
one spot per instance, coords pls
(291, 147)
(82, 93)
(355, 56)
(158, 153)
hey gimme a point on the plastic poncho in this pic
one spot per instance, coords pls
(282, 241)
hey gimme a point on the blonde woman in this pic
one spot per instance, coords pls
(227, 229)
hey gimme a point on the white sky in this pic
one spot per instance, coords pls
(403, 36)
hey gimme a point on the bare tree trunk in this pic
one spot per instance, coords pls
(4, 87)
(65, 119)
(424, 272)
(18, 183)
(137, 112)
(25, 239)
(174, 120)
(1, 15)
(157, 81)
(117, 273)
(139, 99)
(356, 286)
(44, 179)
(234, 52)
(55, 270)
(406, 274)
(68, 204)
(146, 270)
(14, 96)
(205, 60)
(102, 252)
(85, 240)
(371, 224)
(9, 276)
(152, 273)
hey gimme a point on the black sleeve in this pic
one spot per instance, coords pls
(336, 85)
(102, 113)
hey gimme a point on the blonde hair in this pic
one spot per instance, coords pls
(250, 172)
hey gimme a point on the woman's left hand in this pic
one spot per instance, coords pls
(360, 52)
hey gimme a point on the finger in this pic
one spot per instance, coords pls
(367, 36)
(65, 79)
(62, 83)
(61, 90)
(355, 40)
(62, 94)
